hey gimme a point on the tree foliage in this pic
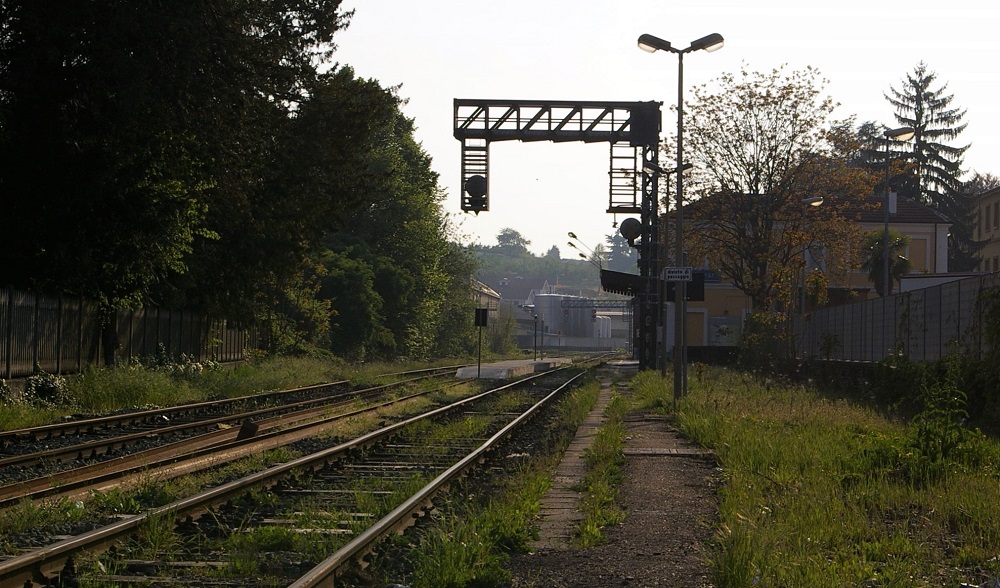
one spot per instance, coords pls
(980, 183)
(212, 156)
(763, 143)
(621, 257)
(130, 129)
(411, 278)
(937, 165)
(512, 242)
(873, 260)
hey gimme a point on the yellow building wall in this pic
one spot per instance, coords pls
(917, 254)
(721, 299)
(988, 231)
(697, 321)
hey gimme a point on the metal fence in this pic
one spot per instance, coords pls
(920, 324)
(62, 335)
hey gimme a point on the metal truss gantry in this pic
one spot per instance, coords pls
(631, 128)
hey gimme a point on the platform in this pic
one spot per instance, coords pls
(515, 368)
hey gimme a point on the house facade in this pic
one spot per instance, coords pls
(987, 230)
(718, 319)
(927, 229)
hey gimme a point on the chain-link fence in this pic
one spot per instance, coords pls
(920, 324)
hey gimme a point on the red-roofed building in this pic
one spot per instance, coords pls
(927, 229)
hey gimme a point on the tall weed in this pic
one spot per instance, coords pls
(825, 492)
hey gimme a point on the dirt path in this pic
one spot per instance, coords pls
(669, 494)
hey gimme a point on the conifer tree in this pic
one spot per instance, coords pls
(938, 165)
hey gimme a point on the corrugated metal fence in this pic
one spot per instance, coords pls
(921, 324)
(62, 335)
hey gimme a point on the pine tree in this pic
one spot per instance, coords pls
(937, 165)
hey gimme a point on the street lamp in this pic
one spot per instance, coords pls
(599, 264)
(541, 351)
(900, 134)
(813, 201)
(536, 338)
(654, 169)
(652, 44)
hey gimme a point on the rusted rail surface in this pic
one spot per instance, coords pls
(194, 453)
(158, 422)
(325, 574)
(41, 565)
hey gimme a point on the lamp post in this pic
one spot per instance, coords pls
(900, 134)
(813, 201)
(541, 351)
(652, 44)
(652, 168)
(599, 264)
(535, 357)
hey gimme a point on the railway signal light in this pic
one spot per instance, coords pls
(475, 199)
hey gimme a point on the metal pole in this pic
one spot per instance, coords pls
(680, 306)
(662, 310)
(536, 338)
(885, 229)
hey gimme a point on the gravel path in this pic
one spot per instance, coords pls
(669, 494)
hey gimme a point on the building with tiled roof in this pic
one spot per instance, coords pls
(927, 228)
(718, 319)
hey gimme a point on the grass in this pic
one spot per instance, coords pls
(821, 492)
(28, 516)
(469, 546)
(105, 390)
(19, 416)
(605, 459)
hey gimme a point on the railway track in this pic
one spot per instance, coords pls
(80, 465)
(339, 496)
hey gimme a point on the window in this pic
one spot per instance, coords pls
(996, 215)
(986, 224)
(996, 266)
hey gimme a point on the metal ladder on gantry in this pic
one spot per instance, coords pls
(631, 128)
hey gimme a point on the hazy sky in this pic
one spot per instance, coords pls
(580, 50)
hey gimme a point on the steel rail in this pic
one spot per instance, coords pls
(42, 564)
(91, 449)
(325, 573)
(187, 456)
(88, 425)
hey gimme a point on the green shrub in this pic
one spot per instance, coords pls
(766, 346)
(894, 380)
(46, 390)
(8, 396)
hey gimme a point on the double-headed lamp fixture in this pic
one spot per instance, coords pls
(708, 43)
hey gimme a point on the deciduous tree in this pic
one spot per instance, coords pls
(763, 144)
(512, 242)
(136, 136)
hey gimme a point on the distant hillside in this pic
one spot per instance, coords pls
(502, 270)
(510, 268)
